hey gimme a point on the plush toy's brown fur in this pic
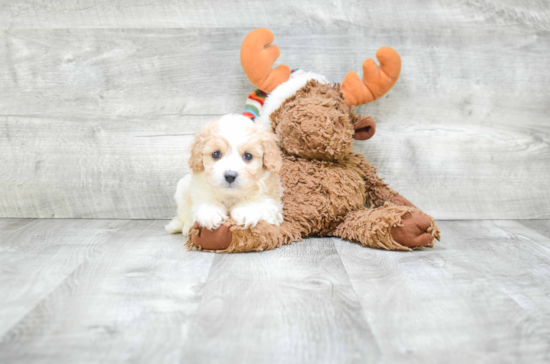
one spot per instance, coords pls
(328, 189)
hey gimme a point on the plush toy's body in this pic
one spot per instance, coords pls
(328, 189)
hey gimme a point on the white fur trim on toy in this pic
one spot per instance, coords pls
(275, 99)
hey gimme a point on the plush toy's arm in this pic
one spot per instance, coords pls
(413, 221)
(377, 191)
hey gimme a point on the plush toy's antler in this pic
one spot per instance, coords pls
(376, 80)
(257, 58)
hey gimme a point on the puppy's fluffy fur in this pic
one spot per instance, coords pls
(208, 197)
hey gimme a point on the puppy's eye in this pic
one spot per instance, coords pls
(216, 155)
(247, 156)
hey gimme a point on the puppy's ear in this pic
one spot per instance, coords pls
(195, 160)
(273, 161)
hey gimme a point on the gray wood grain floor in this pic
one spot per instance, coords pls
(102, 291)
(99, 99)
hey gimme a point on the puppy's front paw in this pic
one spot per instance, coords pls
(248, 217)
(210, 217)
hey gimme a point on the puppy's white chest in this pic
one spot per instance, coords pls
(230, 202)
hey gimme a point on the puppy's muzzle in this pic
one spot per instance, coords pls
(230, 176)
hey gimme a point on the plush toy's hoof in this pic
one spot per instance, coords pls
(218, 239)
(415, 230)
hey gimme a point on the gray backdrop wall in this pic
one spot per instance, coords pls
(99, 100)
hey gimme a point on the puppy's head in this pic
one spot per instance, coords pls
(235, 154)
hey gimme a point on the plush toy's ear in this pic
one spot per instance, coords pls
(376, 80)
(273, 161)
(195, 160)
(364, 128)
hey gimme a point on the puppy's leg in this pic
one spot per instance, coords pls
(182, 222)
(174, 226)
(249, 213)
(209, 214)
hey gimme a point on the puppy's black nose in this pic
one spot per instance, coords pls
(230, 176)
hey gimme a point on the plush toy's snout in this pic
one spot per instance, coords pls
(365, 128)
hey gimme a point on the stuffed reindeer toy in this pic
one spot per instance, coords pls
(328, 189)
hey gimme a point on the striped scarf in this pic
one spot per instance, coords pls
(255, 102)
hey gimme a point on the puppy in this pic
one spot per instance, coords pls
(235, 165)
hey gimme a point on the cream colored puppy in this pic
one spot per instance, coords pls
(235, 166)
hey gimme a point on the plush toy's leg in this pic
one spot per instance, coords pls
(232, 238)
(389, 227)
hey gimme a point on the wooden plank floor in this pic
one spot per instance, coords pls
(124, 291)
